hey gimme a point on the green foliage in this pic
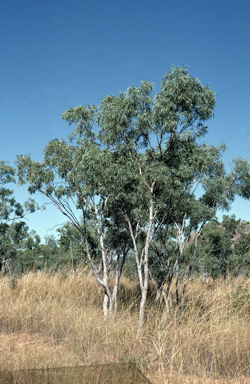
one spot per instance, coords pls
(13, 229)
(27, 253)
(130, 269)
(242, 251)
(72, 242)
(242, 246)
(217, 253)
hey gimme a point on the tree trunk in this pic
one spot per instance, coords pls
(144, 288)
(105, 305)
(166, 300)
(160, 292)
(142, 308)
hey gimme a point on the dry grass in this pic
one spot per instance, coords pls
(54, 321)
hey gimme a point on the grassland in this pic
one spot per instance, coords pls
(54, 320)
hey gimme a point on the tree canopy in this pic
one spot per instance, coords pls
(13, 228)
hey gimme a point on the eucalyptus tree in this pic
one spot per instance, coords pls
(13, 228)
(190, 214)
(27, 252)
(79, 174)
(167, 171)
(219, 191)
(227, 244)
(169, 128)
(149, 189)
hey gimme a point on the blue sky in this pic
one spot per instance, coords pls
(60, 54)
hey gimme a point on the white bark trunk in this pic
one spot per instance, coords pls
(142, 308)
(105, 305)
(144, 287)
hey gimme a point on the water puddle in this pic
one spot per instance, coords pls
(93, 374)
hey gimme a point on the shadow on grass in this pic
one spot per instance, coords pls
(93, 374)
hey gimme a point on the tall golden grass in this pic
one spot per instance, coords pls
(54, 320)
